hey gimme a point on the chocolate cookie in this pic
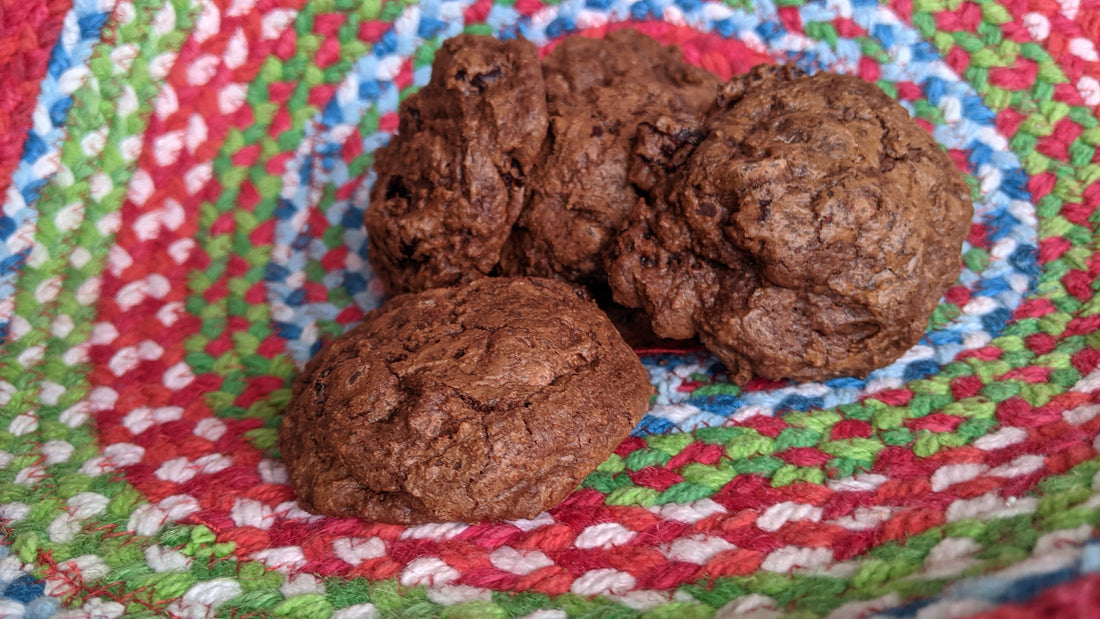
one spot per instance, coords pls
(452, 181)
(809, 235)
(488, 401)
(599, 91)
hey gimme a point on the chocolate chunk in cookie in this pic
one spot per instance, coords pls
(599, 92)
(809, 235)
(452, 181)
(482, 402)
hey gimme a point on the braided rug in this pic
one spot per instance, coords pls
(183, 184)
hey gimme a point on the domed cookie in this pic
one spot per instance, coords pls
(452, 180)
(483, 402)
(809, 235)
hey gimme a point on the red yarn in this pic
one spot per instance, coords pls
(851, 428)
(1078, 599)
(28, 32)
(740, 562)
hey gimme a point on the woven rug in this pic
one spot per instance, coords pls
(183, 187)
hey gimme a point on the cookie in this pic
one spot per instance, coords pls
(599, 91)
(451, 182)
(809, 235)
(483, 402)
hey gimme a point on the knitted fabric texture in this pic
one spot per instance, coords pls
(183, 188)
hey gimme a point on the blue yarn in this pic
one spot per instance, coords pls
(295, 298)
(333, 114)
(33, 146)
(924, 52)
(884, 34)
(652, 425)
(15, 260)
(1014, 184)
(355, 283)
(946, 336)
(769, 30)
(800, 403)
(995, 320)
(934, 89)
(287, 330)
(275, 273)
(386, 44)
(91, 24)
(846, 382)
(906, 610)
(7, 227)
(58, 111)
(991, 286)
(725, 27)
(285, 209)
(920, 369)
(560, 27)
(352, 217)
(979, 153)
(24, 589)
(1024, 589)
(1000, 226)
(369, 89)
(717, 403)
(1025, 259)
(644, 9)
(429, 27)
(305, 171)
(59, 62)
(300, 242)
(976, 110)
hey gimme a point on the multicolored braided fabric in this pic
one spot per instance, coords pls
(183, 187)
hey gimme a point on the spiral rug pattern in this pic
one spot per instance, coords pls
(183, 189)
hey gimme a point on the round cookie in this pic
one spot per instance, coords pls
(599, 91)
(808, 236)
(484, 402)
(452, 180)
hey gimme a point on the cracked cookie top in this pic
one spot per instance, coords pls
(809, 235)
(484, 402)
(599, 91)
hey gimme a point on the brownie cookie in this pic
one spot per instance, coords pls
(452, 181)
(482, 402)
(599, 91)
(809, 235)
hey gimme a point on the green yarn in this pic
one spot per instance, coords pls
(306, 606)
(710, 477)
(670, 444)
(679, 610)
(684, 492)
(641, 458)
(748, 444)
(857, 448)
(632, 495)
(474, 610)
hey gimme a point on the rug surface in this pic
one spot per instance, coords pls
(183, 186)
